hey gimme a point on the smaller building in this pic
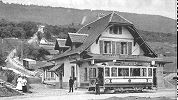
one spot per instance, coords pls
(29, 63)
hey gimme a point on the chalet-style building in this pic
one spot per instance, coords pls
(108, 41)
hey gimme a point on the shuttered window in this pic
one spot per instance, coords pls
(124, 48)
(120, 29)
(129, 48)
(107, 47)
(113, 47)
(118, 47)
(101, 46)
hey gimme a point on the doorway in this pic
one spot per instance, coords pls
(100, 76)
(154, 78)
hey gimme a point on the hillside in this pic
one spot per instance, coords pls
(65, 16)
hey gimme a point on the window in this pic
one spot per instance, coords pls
(107, 72)
(149, 71)
(123, 71)
(47, 74)
(135, 71)
(86, 75)
(114, 72)
(107, 47)
(143, 72)
(92, 72)
(52, 74)
(124, 48)
(115, 30)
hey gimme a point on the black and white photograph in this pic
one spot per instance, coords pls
(88, 50)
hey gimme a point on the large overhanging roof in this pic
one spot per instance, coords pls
(96, 28)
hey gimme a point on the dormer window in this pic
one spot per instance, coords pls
(115, 30)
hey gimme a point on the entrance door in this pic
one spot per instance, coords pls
(100, 76)
(154, 77)
(73, 72)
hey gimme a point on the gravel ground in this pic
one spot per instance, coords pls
(41, 92)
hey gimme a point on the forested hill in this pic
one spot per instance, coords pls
(65, 16)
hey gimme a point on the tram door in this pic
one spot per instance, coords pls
(154, 77)
(100, 75)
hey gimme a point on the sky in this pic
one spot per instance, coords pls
(155, 7)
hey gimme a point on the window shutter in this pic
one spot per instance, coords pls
(130, 48)
(113, 47)
(101, 46)
(120, 29)
(118, 47)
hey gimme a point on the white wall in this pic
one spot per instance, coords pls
(95, 48)
(124, 37)
(125, 34)
(67, 70)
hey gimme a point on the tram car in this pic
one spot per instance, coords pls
(120, 77)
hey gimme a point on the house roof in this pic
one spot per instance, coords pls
(45, 65)
(56, 67)
(77, 38)
(95, 29)
(61, 42)
(116, 18)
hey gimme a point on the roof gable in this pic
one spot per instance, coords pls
(115, 18)
(61, 42)
(76, 38)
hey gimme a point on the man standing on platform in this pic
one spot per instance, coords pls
(71, 83)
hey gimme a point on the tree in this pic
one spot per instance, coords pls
(32, 52)
(18, 32)
(30, 28)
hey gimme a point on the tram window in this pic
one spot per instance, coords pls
(149, 71)
(135, 71)
(143, 72)
(107, 72)
(114, 72)
(92, 72)
(123, 71)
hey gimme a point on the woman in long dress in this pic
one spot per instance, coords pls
(19, 83)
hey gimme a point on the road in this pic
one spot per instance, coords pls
(41, 92)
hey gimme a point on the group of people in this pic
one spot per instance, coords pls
(22, 83)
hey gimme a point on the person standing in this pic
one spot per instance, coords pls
(71, 83)
(24, 84)
(19, 83)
